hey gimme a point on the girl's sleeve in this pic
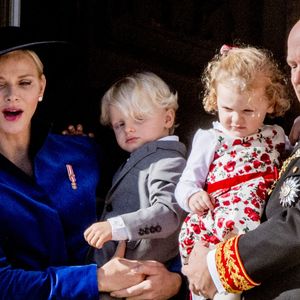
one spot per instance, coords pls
(194, 175)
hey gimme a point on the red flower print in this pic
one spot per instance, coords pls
(236, 142)
(246, 144)
(187, 218)
(202, 226)
(196, 228)
(211, 167)
(236, 199)
(216, 156)
(226, 203)
(265, 158)
(242, 221)
(247, 168)
(255, 203)
(230, 166)
(269, 140)
(225, 195)
(280, 147)
(269, 170)
(230, 224)
(252, 214)
(233, 154)
(211, 239)
(254, 154)
(214, 240)
(261, 190)
(188, 241)
(256, 164)
(241, 142)
(220, 222)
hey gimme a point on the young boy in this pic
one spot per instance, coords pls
(140, 207)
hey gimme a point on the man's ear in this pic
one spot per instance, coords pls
(170, 118)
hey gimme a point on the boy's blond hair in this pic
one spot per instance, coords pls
(245, 65)
(138, 96)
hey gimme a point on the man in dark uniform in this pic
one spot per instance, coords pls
(263, 263)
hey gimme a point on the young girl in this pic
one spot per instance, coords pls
(225, 182)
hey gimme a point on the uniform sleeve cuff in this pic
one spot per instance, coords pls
(230, 268)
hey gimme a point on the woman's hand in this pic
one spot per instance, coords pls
(119, 272)
(76, 130)
(159, 284)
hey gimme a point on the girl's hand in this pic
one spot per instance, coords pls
(201, 202)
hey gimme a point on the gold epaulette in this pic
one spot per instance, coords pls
(231, 269)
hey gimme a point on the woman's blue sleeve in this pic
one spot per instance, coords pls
(66, 282)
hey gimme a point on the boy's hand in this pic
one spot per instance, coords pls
(76, 130)
(200, 202)
(98, 233)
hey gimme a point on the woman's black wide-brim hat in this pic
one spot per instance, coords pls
(16, 38)
(60, 60)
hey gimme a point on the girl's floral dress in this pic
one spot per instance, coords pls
(238, 179)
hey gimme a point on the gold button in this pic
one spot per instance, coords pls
(295, 169)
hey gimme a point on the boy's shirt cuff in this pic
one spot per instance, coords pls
(119, 231)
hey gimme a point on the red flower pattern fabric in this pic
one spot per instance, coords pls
(238, 208)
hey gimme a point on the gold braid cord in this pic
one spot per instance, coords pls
(231, 269)
(285, 164)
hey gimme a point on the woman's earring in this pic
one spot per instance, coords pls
(40, 98)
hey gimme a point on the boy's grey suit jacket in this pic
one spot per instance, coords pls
(142, 193)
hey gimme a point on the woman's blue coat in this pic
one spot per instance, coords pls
(42, 219)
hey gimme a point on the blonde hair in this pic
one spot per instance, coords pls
(245, 65)
(32, 55)
(138, 95)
